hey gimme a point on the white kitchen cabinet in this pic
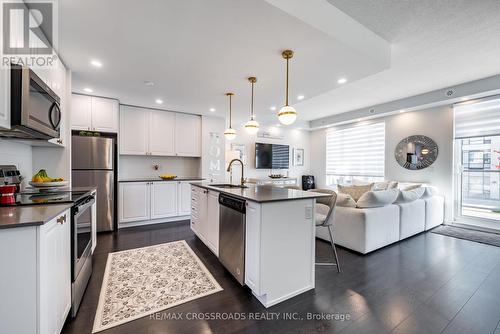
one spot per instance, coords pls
(187, 135)
(252, 246)
(92, 113)
(55, 273)
(133, 136)
(161, 133)
(205, 216)
(104, 115)
(184, 198)
(5, 98)
(163, 199)
(134, 201)
(212, 222)
(81, 112)
(36, 282)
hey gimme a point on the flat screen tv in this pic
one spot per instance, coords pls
(272, 156)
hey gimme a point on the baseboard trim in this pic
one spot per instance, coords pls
(152, 222)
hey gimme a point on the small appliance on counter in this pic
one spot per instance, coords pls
(10, 180)
(308, 182)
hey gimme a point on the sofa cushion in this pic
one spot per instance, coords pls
(345, 200)
(380, 186)
(355, 191)
(407, 196)
(393, 185)
(375, 199)
(412, 187)
(429, 192)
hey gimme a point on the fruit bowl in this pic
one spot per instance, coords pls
(49, 184)
(168, 177)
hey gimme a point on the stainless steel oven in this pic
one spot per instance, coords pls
(81, 249)
(35, 108)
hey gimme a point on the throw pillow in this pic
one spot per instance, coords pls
(393, 185)
(429, 192)
(345, 200)
(407, 196)
(380, 186)
(412, 187)
(355, 191)
(375, 199)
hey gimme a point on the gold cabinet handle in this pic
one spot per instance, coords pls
(61, 220)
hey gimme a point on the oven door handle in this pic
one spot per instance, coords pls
(88, 202)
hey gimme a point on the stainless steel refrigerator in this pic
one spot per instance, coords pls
(93, 164)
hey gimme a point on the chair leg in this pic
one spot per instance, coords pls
(334, 249)
(332, 241)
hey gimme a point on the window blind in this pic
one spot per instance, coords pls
(356, 151)
(476, 119)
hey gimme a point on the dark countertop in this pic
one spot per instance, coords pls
(33, 215)
(264, 193)
(158, 179)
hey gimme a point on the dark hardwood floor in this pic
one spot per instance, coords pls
(427, 284)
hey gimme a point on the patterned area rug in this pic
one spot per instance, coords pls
(142, 281)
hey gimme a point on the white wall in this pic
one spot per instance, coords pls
(293, 137)
(436, 123)
(130, 166)
(13, 153)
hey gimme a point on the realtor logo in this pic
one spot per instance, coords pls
(28, 33)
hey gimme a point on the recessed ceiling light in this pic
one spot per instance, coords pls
(149, 83)
(212, 109)
(300, 97)
(159, 101)
(402, 111)
(273, 108)
(87, 90)
(96, 63)
(465, 98)
(341, 81)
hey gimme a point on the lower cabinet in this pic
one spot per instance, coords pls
(36, 277)
(147, 201)
(205, 216)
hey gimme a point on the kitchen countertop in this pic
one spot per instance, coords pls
(33, 215)
(158, 179)
(264, 193)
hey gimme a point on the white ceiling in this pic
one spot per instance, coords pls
(195, 51)
(435, 44)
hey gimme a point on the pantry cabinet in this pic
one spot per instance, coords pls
(90, 113)
(37, 283)
(152, 201)
(160, 133)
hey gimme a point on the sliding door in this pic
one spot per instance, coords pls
(477, 163)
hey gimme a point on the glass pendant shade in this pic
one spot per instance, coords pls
(252, 126)
(230, 133)
(287, 115)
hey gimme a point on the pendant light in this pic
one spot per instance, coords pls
(252, 126)
(230, 133)
(287, 114)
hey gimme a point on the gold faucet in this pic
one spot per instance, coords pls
(242, 168)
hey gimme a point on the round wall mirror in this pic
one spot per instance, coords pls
(416, 152)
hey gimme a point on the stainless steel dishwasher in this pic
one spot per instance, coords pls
(232, 235)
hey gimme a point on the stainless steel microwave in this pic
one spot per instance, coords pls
(35, 108)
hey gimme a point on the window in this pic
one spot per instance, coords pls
(477, 162)
(356, 152)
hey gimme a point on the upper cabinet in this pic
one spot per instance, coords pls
(160, 133)
(92, 113)
(187, 135)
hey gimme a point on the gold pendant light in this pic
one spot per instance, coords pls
(252, 126)
(230, 133)
(287, 114)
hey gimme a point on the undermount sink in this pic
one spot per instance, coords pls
(227, 185)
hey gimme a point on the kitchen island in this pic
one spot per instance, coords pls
(279, 236)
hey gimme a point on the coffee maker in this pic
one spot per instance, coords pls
(10, 184)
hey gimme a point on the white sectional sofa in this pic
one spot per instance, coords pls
(367, 229)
